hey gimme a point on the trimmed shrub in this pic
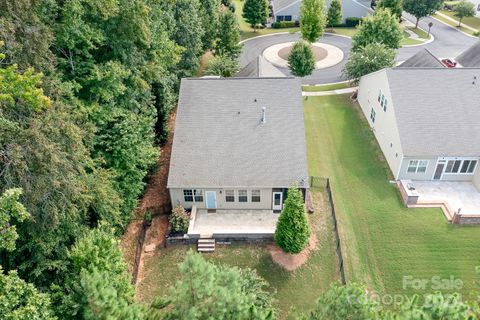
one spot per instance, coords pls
(293, 231)
(285, 24)
(179, 220)
(301, 61)
(352, 21)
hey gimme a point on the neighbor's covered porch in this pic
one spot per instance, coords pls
(459, 200)
(232, 223)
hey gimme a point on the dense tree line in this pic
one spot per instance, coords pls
(86, 90)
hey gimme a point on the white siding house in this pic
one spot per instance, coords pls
(426, 121)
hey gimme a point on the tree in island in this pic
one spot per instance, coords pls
(301, 60)
(382, 27)
(368, 59)
(293, 230)
(464, 9)
(334, 14)
(421, 8)
(312, 21)
(255, 12)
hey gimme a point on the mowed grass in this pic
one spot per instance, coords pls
(326, 87)
(295, 292)
(383, 241)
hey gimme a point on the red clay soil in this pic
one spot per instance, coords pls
(156, 196)
(291, 262)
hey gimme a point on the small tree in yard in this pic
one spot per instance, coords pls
(382, 27)
(208, 291)
(255, 12)
(312, 21)
(421, 8)
(464, 9)
(228, 35)
(368, 59)
(179, 220)
(395, 6)
(334, 15)
(301, 61)
(293, 231)
(222, 65)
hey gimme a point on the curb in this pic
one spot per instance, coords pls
(432, 38)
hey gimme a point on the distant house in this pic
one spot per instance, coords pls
(470, 58)
(422, 59)
(239, 144)
(289, 10)
(426, 121)
(259, 68)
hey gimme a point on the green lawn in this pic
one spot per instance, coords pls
(295, 292)
(453, 24)
(473, 22)
(383, 240)
(326, 87)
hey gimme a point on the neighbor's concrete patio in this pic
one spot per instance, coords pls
(233, 222)
(453, 195)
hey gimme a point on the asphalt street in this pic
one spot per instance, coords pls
(448, 43)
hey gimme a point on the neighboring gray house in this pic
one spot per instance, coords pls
(422, 59)
(259, 68)
(239, 143)
(470, 58)
(426, 121)
(288, 10)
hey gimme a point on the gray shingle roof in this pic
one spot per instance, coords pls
(281, 4)
(470, 57)
(422, 59)
(437, 110)
(219, 140)
(259, 68)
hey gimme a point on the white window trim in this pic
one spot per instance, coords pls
(460, 167)
(246, 195)
(259, 196)
(418, 165)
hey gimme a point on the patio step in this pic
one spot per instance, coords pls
(206, 245)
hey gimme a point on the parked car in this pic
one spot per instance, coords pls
(449, 63)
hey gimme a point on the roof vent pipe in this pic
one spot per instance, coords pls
(264, 116)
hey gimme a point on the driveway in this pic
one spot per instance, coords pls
(449, 42)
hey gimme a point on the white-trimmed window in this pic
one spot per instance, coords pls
(188, 195)
(372, 115)
(198, 195)
(256, 196)
(242, 196)
(379, 95)
(461, 166)
(193, 195)
(417, 166)
(229, 196)
(385, 105)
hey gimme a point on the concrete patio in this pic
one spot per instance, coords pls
(243, 223)
(453, 197)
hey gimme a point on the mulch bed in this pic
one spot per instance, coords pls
(291, 262)
(318, 53)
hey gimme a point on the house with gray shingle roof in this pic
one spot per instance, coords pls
(289, 10)
(259, 68)
(239, 144)
(471, 57)
(422, 59)
(426, 121)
